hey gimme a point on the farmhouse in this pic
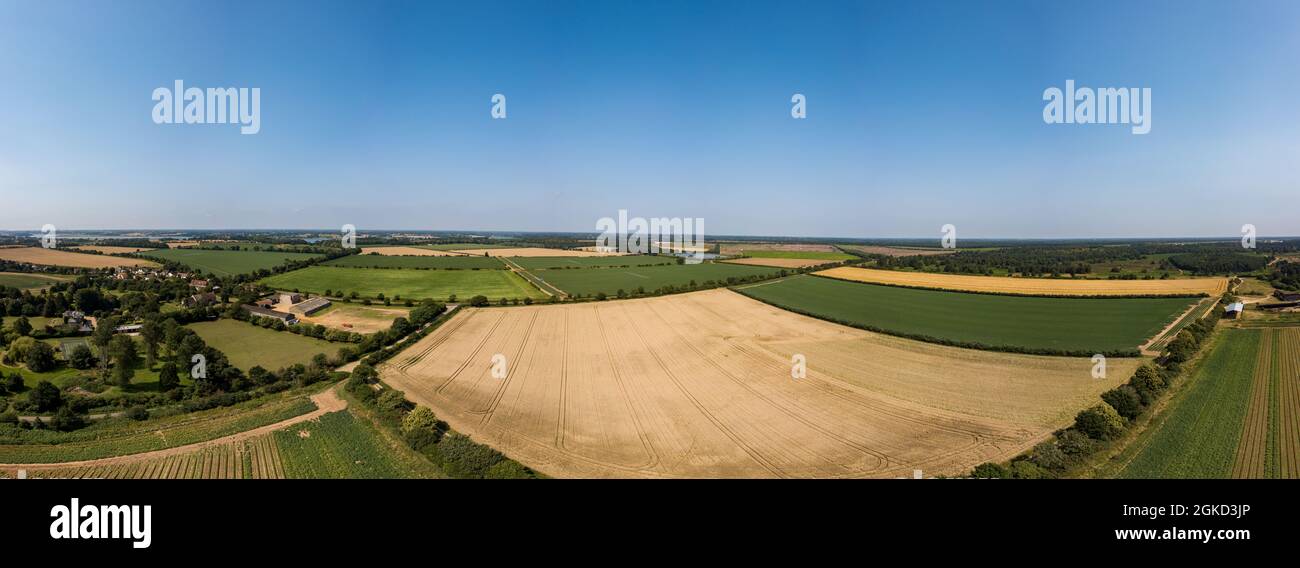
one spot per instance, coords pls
(311, 306)
(261, 312)
(203, 299)
(1233, 310)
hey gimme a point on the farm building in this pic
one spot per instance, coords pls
(290, 297)
(1287, 296)
(311, 306)
(128, 329)
(199, 300)
(261, 312)
(1234, 310)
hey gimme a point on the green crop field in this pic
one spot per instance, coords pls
(385, 261)
(1198, 434)
(248, 345)
(119, 437)
(227, 262)
(1045, 325)
(335, 446)
(561, 262)
(813, 255)
(588, 281)
(414, 284)
(26, 281)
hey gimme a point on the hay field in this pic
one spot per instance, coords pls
(56, 257)
(534, 251)
(108, 249)
(779, 262)
(407, 251)
(699, 385)
(1032, 286)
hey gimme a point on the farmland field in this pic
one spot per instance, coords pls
(55, 257)
(532, 251)
(27, 281)
(1238, 417)
(358, 318)
(248, 345)
(590, 281)
(336, 445)
(779, 262)
(802, 254)
(699, 385)
(898, 251)
(564, 262)
(109, 249)
(414, 284)
(1032, 286)
(405, 251)
(385, 261)
(228, 262)
(1092, 325)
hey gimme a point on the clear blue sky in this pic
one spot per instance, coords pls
(919, 114)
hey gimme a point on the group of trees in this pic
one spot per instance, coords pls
(1285, 275)
(1212, 262)
(1108, 419)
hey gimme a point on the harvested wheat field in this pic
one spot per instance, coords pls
(535, 251)
(55, 257)
(780, 262)
(699, 385)
(1032, 286)
(109, 249)
(408, 251)
(741, 248)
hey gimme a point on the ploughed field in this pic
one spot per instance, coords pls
(1238, 417)
(1032, 286)
(413, 284)
(700, 385)
(1080, 326)
(227, 262)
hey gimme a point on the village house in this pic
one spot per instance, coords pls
(204, 299)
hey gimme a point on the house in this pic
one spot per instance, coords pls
(266, 302)
(290, 297)
(204, 299)
(198, 284)
(1287, 296)
(258, 311)
(1234, 310)
(311, 306)
(79, 321)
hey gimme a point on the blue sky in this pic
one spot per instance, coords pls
(919, 114)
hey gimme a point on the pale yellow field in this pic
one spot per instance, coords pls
(1045, 286)
(106, 249)
(351, 317)
(740, 248)
(408, 251)
(699, 385)
(534, 251)
(780, 262)
(56, 257)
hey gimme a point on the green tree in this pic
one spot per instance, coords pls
(81, 357)
(1101, 422)
(125, 358)
(22, 326)
(1125, 400)
(421, 428)
(45, 397)
(168, 379)
(151, 331)
(40, 358)
(103, 334)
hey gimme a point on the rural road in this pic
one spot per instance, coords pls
(326, 401)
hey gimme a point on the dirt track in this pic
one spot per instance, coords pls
(699, 385)
(326, 401)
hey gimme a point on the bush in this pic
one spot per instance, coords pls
(1024, 469)
(1048, 455)
(45, 397)
(1125, 400)
(137, 413)
(509, 469)
(66, 420)
(1100, 422)
(81, 357)
(392, 401)
(462, 457)
(421, 428)
(990, 470)
(1075, 443)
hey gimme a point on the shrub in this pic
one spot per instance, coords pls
(1048, 455)
(509, 469)
(66, 420)
(1075, 443)
(137, 413)
(81, 357)
(1100, 422)
(421, 428)
(1025, 469)
(392, 401)
(1125, 400)
(45, 397)
(990, 470)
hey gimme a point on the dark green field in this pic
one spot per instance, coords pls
(588, 281)
(227, 262)
(385, 261)
(1199, 433)
(563, 262)
(1045, 325)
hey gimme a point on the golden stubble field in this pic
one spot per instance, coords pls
(56, 257)
(1045, 286)
(699, 385)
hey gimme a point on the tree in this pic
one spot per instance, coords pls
(1048, 455)
(103, 334)
(421, 428)
(81, 357)
(125, 358)
(45, 397)
(393, 401)
(1125, 400)
(1148, 383)
(22, 326)
(1075, 443)
(40, 358)
(990, 470)
(66, 420)
(151, 331)
(1100, 422)
(478, 301)
(168, 378)
(14, 382)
